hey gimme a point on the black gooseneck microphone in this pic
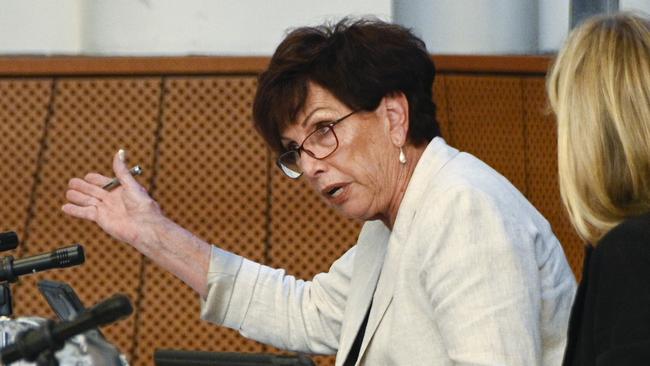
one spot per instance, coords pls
(52, 336)
(11, 269)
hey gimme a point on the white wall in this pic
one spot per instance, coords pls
(40, 26)
(165, 27)
(472, 26)
(553, 24)
(637, 5)
(255, 27)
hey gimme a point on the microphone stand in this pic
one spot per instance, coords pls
(6, 304)
(46, 357)
(8, 241)
(40, 344)
(6, 300)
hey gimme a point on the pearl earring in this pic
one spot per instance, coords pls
(402, 157)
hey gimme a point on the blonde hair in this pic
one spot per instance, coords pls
(599, 89)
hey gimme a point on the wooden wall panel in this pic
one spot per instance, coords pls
(442, 115)
(92, 118)
(486, 119)
(541, 170)
(23, 113)
(212, 174)
(211, 179)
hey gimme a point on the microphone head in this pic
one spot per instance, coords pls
(69, 256)
(8, 241)
(112, 309)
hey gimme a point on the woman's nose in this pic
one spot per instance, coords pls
(311, 166)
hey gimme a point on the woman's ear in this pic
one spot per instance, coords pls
(397, 112)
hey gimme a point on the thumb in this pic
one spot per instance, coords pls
(121, 170)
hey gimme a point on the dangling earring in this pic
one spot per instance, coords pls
(402, 157)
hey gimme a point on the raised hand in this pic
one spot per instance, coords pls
(127, 212)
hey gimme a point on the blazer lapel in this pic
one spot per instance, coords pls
(436, 155)
(377, 261)
(383, 295)
(371, 249)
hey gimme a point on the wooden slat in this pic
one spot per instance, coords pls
(84, 65)
(537, 65)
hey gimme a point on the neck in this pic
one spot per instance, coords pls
(404, 175)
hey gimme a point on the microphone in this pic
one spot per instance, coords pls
(52, 336)
(8, 241)
(106, 312)
(11, 269)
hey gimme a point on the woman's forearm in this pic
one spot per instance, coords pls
(178, 251)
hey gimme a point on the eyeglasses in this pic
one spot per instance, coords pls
(319, 144)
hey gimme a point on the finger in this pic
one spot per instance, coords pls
(81, 199)
(88, 213)
(122, 171)
(83, 186)
(97, 179)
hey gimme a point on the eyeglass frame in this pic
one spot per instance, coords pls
(300, 148)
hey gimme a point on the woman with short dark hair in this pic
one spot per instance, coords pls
(452, 266)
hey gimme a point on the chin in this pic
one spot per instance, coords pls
(354, 212)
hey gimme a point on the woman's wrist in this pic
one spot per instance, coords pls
(165, 238)
(177, 250)
(151, 234)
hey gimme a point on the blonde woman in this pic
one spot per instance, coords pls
(599, 89)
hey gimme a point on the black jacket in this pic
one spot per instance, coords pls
(610, 318)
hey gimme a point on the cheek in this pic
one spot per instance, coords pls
(373, 153)
(365, 164)
(363, 155)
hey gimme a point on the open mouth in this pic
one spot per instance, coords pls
(335, 192)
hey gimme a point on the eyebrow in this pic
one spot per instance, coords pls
(304, 121)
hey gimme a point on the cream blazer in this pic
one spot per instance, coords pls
(471, 274)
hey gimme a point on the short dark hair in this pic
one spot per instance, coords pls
(359, 62)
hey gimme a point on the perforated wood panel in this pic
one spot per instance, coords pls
(440, 98)
(91, 119)
(212, 174)
(23, 112)
(541, 170)
(212, 180)
(486, 119)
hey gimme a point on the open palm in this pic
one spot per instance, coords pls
(127, 213)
